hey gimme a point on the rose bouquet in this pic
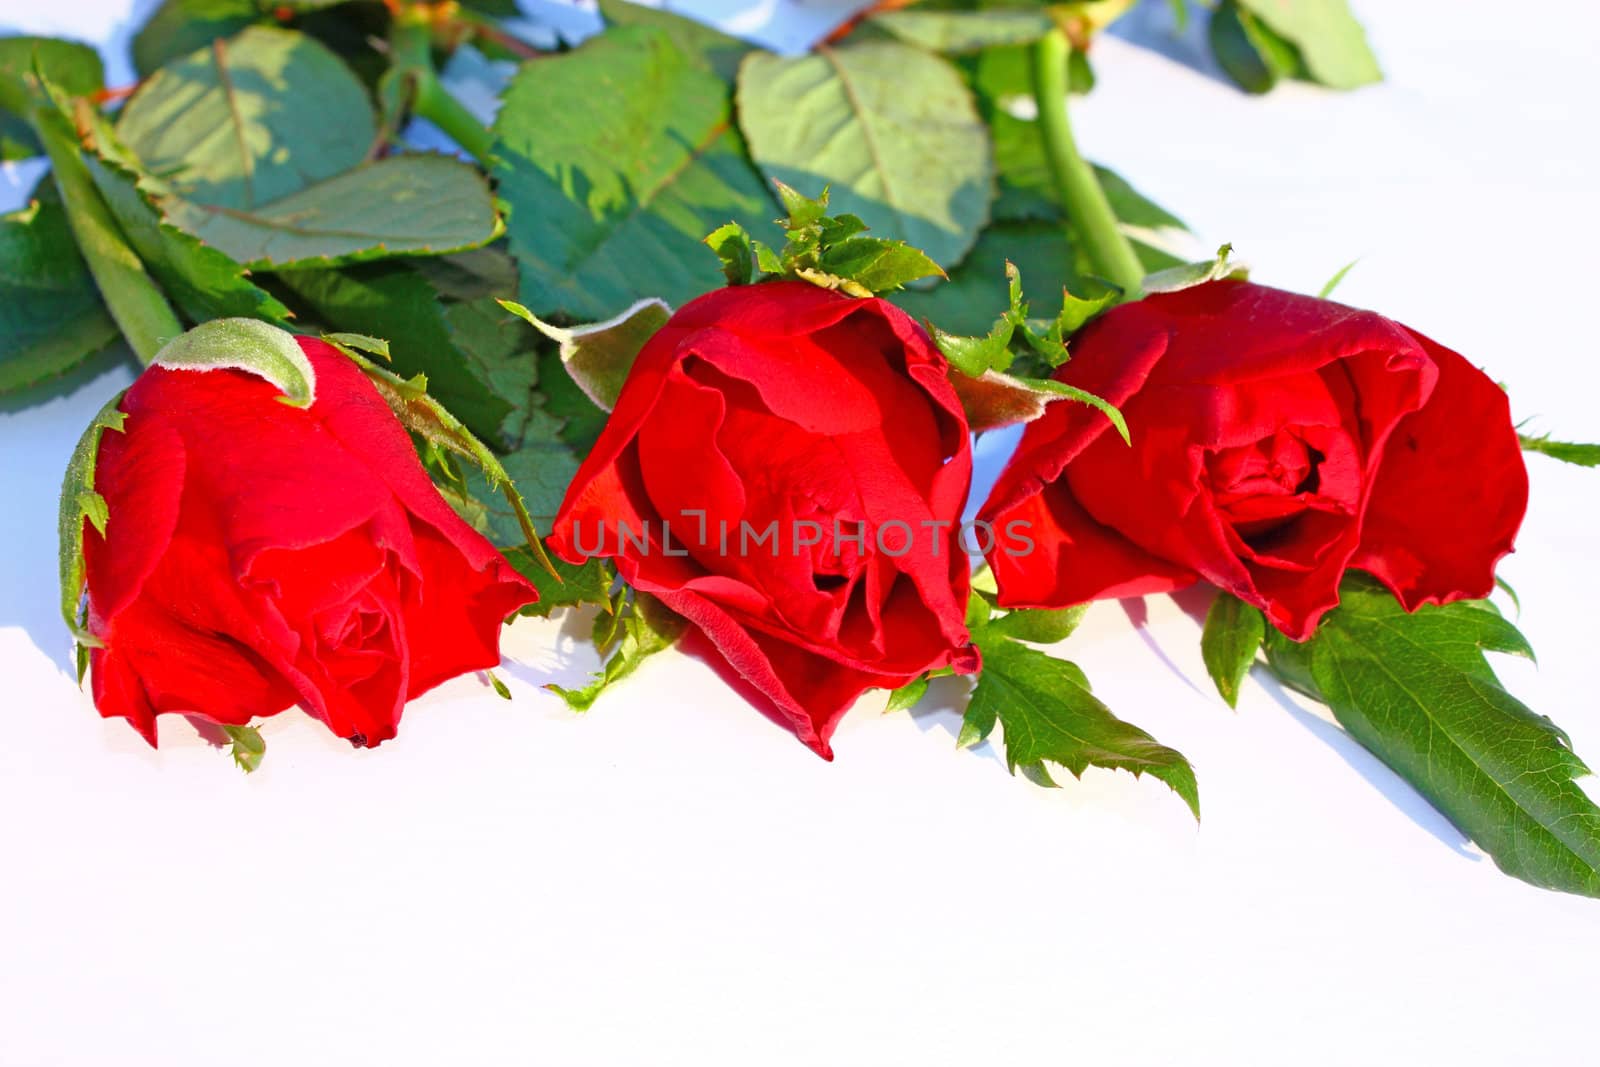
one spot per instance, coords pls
(394, 398)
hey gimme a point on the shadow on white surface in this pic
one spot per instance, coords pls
(1410, 803)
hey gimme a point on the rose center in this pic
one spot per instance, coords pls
(1260, 486)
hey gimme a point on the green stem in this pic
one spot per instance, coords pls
(135, 301)
(413, 61)
(1079, 188)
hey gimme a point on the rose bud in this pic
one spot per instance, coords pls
(786, 468)
(258, 555)
(1278, 442)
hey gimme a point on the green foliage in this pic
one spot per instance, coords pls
(249, 345)
(256, 146)
(1189, 275)
(247, 747)
(826, 250)
(1039, 626)
(599, 356)
(402, 205)
(180, 27)
(1260, 41)
(396, 302)
(645, 626)
(713, 48)
(241, 123)
(1048, 715)
(993, 398)
(956, 32)
(615, 160)
(1417, 690)
(570, 585)
(51, 317)
(891, 128)
(1232, 636)
(73, 68)
(1566, 451)
(80, 501)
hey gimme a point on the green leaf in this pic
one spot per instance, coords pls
(71, 67)
(1338, 276)
(955, 32)
(1330, 41)
(1418, 692)
(179, 27)
(204, 282)
(250, 345)
(243, 123)
(906, 697)
(588, 582)
(51, 317)
(891, 128)
(616, 160)
(732, 244)
(1232, 636)
(1189, 275)
(80, 501)
(1565, 451)
(1040, 626)
(394, 301)
(648, 627)
(398, 206)
(1048, 715)
(248, 748)
(715, 49)
(600, 355)
(1251, 54)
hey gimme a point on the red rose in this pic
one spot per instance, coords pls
(259, 555)
(786, 468)
(1278, 441)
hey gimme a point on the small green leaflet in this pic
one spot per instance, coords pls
(600, 355)
(1189, 275)
(646, 627)
(1331, 43)
(1042, 626)
(251, 345)
(1047, 715)
(616, 159)
(80, 501)
(51, 317)
(1232, 636)
(892, 128)
(826, 250)
(247, 747)
(1338, 276)
(241, 123)
(1418, 692)
(1565, 451)
(993, 398)
(955, 32)
(588, 582)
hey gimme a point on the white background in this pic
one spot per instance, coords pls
(673, 879)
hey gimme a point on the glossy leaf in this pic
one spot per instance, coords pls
(1229, 642)
(1330, 41)
(893, 131)
(1047, 715)
(616, 160)
(1418, 692)
(51, 317)
(241, 123)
